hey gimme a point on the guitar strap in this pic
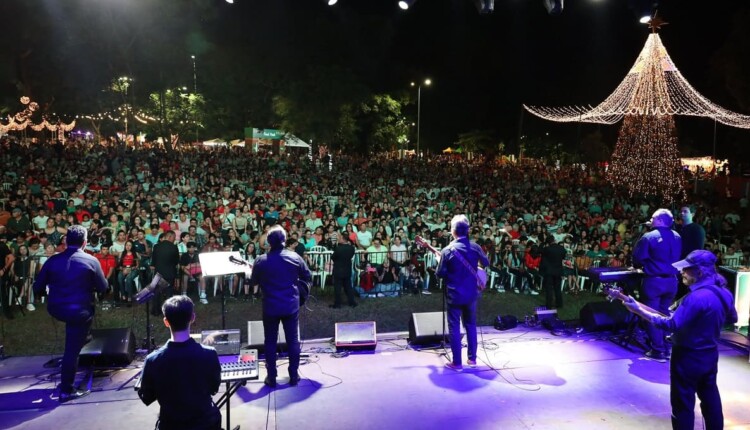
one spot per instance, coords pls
(468, 266)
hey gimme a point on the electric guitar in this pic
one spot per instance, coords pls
(481, 274)
(615, 293)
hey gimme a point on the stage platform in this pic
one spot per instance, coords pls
(526, 379)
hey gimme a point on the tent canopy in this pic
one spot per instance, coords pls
(293, 141)
(215, 142)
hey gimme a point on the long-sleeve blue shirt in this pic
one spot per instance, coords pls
(460, 281)
(72, 277)
(698, 320)
(280, 273)
(657, 250)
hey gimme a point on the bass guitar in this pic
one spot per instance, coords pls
(481, 274)
(615, 293)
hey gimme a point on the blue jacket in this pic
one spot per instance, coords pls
(657, 250)
(72, 277)
(698, 320)
(280, 274)
(460, 281)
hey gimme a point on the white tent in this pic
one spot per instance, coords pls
(293, 141)
(215, 142)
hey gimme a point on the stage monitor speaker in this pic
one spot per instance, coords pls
(109, 347)
(256, 338)
(603, 316)
(356, 335)
(426, 328)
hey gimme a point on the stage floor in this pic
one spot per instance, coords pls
(527, 379)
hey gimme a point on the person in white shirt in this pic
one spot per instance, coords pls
(40, 220)
(364, 237)
(398, 252)
(313, 222)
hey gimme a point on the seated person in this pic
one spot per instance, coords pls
(191, 269)
(412, 280)
(385, 280)
(182, 375)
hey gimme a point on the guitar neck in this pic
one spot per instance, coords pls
(623, 298)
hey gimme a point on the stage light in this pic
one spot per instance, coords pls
(485, 6)
(332, 2)
(554, 7)
(405, 4)
(230, 1)
(645, 19)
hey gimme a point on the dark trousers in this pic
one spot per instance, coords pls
(658, 293)
(271, 333)
(5, 296)
(344, 283)
(77, 321)
(467, 313)
(553, 289)
(694, 372)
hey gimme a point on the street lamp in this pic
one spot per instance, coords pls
(125, 82)
(427, 82)
(195, 92)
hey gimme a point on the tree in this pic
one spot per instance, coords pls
(176, 113)
(382, 123)
(481, 141)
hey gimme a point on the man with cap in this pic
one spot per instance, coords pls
(654, 253)
(18, 223)
(696, 325)
(284, 280)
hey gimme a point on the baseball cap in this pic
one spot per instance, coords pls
(698, 257)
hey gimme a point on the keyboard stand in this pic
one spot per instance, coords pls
(232, 388)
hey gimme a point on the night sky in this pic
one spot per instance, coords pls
(483, 67)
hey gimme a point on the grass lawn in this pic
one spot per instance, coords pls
(38, 333)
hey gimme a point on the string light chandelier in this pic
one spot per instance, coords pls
(653, 86)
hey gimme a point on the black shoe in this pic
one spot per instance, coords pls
(294, 380)
(75, 394)
(657, 356)
(270, 382)
(334, 306)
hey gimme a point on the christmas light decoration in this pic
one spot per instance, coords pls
(653, 86)
(22, 120)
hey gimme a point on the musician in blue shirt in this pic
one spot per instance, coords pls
(696, 325)
(655, 252)
(182, 375)
(458, 265)
(71, 278)
(284, 280)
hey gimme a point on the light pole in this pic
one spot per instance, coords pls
(195, 93)
(125, 82)
(427, 82)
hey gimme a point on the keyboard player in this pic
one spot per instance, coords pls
(182, 375)
(655, 252)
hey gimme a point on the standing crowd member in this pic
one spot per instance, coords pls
(164, 259)
(6, 262)
(458, 266)
(182, 375)
(655, 252)
(696, 325)
(551, 269)
(71, 279)
(284, 280)
(342, 257)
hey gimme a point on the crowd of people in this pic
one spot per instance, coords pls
(228, 198)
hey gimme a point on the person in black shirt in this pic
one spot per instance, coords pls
(342, 257)
(182, 375)
(164, 259)
(551, 267)
(6, 262)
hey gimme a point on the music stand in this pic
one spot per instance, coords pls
(219, 264)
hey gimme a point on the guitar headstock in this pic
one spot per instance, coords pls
(419, 240)
(614, 293)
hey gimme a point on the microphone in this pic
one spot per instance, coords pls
(234, 260)
(647, 224)
(147, 293)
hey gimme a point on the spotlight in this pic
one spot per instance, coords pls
(230, 1)
(644, 9)
(485, 6)
(405, 4)
(332, 2)
(645, 19)
(554, 7)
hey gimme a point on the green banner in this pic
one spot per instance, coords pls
(264, 133)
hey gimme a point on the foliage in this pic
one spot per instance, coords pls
(482, 141)
(177, 113)
(383, 124)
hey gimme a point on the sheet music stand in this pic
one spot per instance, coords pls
(218, 264)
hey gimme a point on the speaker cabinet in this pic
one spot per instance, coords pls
(256, 338)
(604, 316)
(426, 328)
(109, 347)
(356, 335)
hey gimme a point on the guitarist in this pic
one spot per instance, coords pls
(696, 325)
(458, 266)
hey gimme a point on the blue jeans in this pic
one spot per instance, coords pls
(467, 313)
(77, 321)
(694, 372)
(271, 333)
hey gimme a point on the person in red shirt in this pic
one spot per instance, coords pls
(531, 260)
(108, 263)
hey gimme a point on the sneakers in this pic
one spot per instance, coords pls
(501, 290)
(75, 394)
(515, 290)
(203, 299)
(657, 356)
(534, 292)
(454, 367)
(30, 307)
(471, 363)
(426, 292)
